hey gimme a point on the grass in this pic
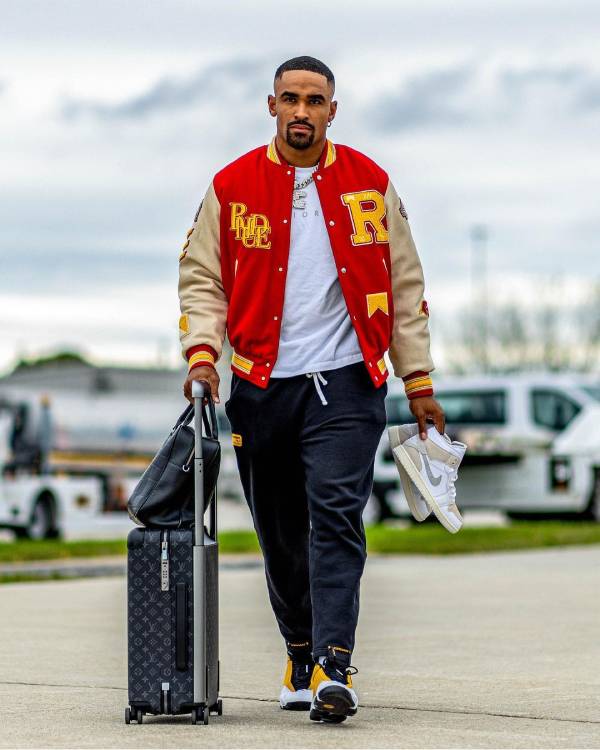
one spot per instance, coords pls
(56, 549)
(430, 539)
(426, 539)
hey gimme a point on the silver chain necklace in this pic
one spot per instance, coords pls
(299, 195)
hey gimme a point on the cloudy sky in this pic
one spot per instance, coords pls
(115, 115)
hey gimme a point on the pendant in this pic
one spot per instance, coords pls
(299, 200)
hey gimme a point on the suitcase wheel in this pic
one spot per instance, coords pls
(135, 715)
(217, 708)
(200, 715)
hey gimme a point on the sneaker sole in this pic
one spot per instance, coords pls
(332, 706)
(394, 443)
(400, 453)
(296, 706)
(295, 700)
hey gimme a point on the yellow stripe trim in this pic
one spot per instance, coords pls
(272, 152)
(418, 384)
(381, 365)
(201, 357)
(274, 157)
(331, 155)
(241, 362)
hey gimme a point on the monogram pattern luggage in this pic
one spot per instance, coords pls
(172, 607)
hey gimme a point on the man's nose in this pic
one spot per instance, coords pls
(301, 113)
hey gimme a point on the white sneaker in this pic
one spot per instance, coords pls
(397, 435)
(296, 694)
(334, 698)
(432, 464)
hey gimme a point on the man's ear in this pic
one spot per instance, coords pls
(271, 104)
(332, 111)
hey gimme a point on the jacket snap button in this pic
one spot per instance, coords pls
(263, 378)
(268, 364)
(275, 317)
(332, 223)
(289, 171)
(343, 270)
(319, 177)
(280, 268)
(285, 221)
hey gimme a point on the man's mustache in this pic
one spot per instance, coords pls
(299, 122)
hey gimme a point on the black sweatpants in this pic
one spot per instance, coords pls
(307, 473)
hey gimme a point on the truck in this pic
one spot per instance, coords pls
(50, 485)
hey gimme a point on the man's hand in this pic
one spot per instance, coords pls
(425, 407)
(207, 373)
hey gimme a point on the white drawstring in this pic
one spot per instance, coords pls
(316, 376)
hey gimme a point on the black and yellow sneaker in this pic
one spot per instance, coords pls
(296, 694)
(333, 696)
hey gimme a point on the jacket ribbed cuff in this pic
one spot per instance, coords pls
(418, 384)
(199, 356)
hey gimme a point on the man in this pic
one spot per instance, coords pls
(302, 253)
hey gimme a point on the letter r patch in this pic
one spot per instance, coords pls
(367, 211)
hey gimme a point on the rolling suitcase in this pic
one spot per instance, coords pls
(172, 605)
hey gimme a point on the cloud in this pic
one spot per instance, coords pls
(467, 94)
(572, 87)
(169, 94)
(431, 98)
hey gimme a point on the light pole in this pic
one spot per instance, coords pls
(479, 292)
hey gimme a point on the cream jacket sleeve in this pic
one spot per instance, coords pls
(202, 300)
(409, 349)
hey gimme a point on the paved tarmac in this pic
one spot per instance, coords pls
(497, 650)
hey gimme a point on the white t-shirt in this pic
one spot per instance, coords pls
(316, 330)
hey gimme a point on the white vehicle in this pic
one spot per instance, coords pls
(509, 423)
(47, 491)
(575, 464)
(68, 463)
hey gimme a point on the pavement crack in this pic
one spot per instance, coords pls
(361, 705)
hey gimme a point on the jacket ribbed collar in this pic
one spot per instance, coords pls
(327, 157)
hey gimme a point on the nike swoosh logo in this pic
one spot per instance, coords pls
(434, 480)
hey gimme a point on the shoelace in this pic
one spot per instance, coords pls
(452, 477)
(452, 488)
(316, 376)
(301, 674)
(332, 670)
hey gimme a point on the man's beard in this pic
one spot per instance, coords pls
(299, 141)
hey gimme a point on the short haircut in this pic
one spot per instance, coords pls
(305, 62)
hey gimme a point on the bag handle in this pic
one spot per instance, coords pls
(211, 427)
(185, 418)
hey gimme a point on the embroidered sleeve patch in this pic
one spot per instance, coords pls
(402, 209)
(236, 439)
(184, 324)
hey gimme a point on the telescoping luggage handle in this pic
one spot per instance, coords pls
(200, 391)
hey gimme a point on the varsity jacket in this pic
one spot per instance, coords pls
(233, 265)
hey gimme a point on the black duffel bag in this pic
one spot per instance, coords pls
(164, 496)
